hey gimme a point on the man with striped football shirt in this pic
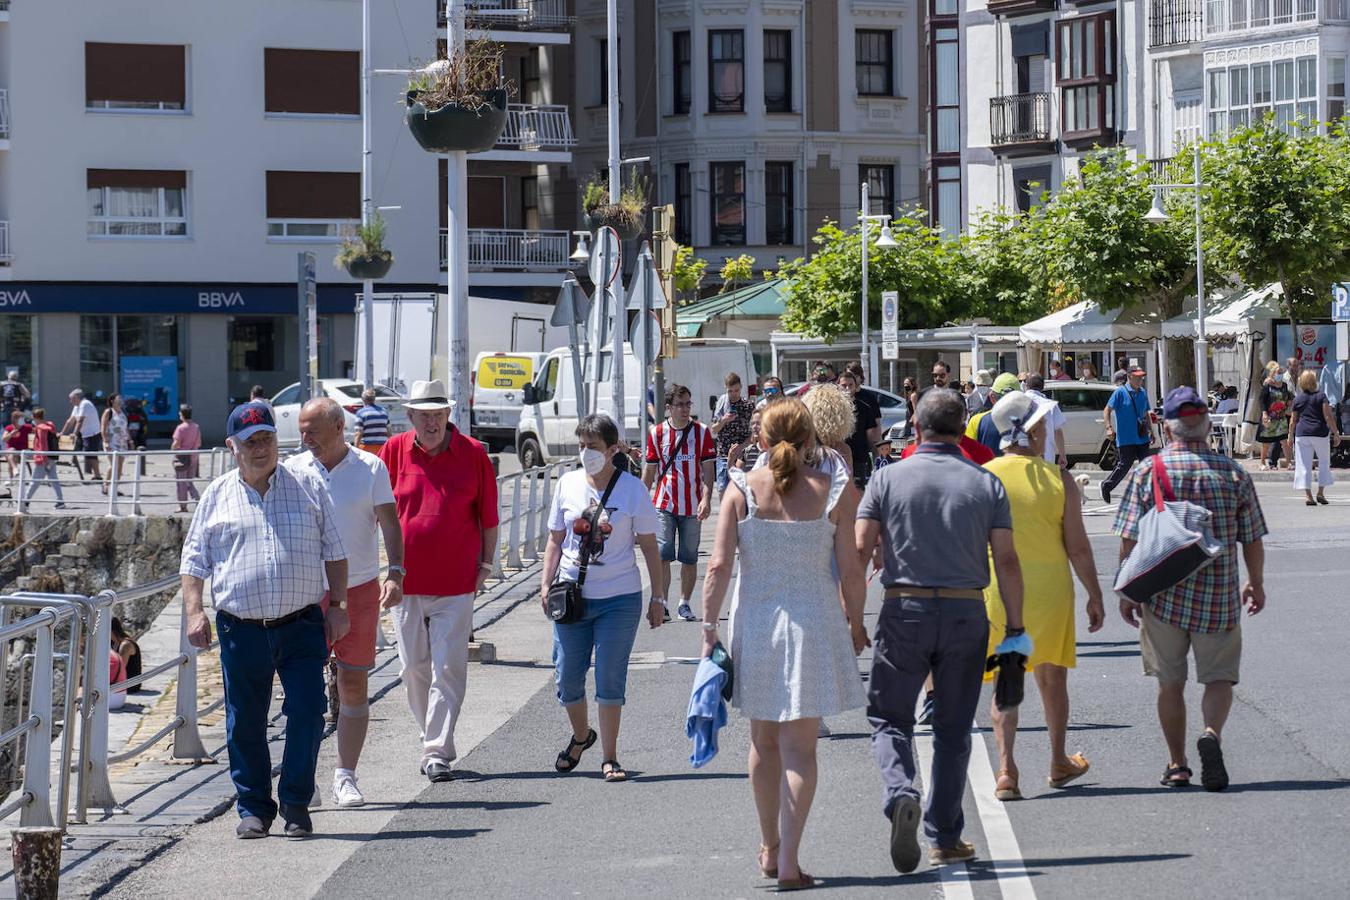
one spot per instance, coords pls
(681, 463)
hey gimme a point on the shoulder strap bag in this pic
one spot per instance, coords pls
(565, 603)
(679, 446)
(1174, 543)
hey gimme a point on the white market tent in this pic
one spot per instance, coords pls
(1235, 315)
(1086, 323)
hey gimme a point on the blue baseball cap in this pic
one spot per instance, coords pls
(248, 419)
(1182, 402)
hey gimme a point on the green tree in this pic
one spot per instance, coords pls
(736, 271)
(824, 291)
(1275, 210)
(998, 265)
(687, 274)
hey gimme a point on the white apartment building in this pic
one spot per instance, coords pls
(761, 118)
(168, 160)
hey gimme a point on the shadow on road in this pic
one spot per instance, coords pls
(1089, 790)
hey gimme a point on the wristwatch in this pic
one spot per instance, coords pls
(1014, 632)
(397, 569)
(342, 606)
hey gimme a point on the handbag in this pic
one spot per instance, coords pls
(1174, 543)
(565, 603)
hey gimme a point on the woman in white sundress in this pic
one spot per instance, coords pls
(793, 647)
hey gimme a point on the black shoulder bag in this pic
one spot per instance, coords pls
(565, 603)
(674, 453)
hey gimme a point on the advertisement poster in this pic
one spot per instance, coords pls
(1314, 344)
(154, 380)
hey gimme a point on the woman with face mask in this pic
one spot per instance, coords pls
(609, 512)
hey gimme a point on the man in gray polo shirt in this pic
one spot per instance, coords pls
(937, 515)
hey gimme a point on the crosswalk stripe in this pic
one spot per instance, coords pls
(1005, 854)
(955, 879)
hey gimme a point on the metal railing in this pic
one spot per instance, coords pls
(538, 127)
(128, 470)
(1172, 22)
(6, 257)
(4, 113)
(523, 500)
(527, 14)
(507, 248)
(33, 800)
(1019, 119)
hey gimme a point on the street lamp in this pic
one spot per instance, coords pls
(1156, 215)
(583, 251)
(885, 241)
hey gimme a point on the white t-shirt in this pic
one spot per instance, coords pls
(91, 424)
(613, 570)
(356, 486)
(1054, 421)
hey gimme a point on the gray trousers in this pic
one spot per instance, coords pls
(916, 635)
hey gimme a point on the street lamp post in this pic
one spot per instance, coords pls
(884, 242)
(1157, 214)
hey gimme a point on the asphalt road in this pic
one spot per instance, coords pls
(510, 827)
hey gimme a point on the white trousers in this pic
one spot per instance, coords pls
(1305, 448)
(433, 646)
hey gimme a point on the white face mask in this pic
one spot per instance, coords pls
(592, 460)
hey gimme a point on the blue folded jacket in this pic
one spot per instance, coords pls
(707, 712)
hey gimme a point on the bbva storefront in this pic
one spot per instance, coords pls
(204, 344)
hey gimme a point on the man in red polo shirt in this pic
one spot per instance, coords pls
(446, 495)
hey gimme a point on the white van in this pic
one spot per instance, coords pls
(499, 380)
(548, 420)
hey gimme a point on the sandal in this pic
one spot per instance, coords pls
(800, 883)
(612, 771)
(764, 870)
(1177, 777)
(1079, 769)
(1009, 792)
(566, 762)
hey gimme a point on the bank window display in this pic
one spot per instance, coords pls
(263, 350)
(151, 369)
(16, 348)
(136, 203)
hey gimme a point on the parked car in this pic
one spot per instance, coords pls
(894, 408)
(1082, 403)
(286, 407)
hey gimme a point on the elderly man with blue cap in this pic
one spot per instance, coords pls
(267, 536)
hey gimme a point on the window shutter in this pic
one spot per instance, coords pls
(135, 178)
(313, 195)
(135, 73)
(324, 82)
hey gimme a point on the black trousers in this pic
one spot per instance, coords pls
(1126, 456)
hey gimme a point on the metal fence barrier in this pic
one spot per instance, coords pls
(38, 483)
(523, 500)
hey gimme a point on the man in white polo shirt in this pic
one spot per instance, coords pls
(358, 485)
(88, 430)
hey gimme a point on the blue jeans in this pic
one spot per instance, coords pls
(249, 656)
(916, 635)
(609, 628)
(685, 530)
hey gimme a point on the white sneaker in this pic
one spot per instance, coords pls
(345, 791)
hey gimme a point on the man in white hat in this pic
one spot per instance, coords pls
(446, 494)
(979, 400)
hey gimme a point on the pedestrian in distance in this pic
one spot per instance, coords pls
(445, 490)
(128, 650)
(938, 517)
(84, 424)
(730, 424)
(793, 646)
(17, 434)
(1057, 372)
(372, 424)
(45, 442)
(14, 395)
(979, 399)
(608, 514)
(744, 455)
(358, 487)
(980, 427)
(1130, 426)
(1314, 427)
(1086, 370)
(1203, 614)
(680, 464)
(1054, 426)
(866, 430)
(1049, 537)
(187, 435)
(1228, 403)
(939, 378)
(116, 438)
(256, 394)
(1273, 436)
(833, 416)
(268, 539)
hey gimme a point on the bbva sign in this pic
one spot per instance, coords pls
(15, 298)
(219, 299)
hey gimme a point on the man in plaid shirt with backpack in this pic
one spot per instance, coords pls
(1203, 614)
(681, 463)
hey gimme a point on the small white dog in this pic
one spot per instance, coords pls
(1082, 481)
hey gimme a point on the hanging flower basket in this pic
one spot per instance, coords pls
(372, 268)
(456, 127)
(616, 217)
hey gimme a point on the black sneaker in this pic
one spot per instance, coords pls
(298, 822)
(684, 612)
(1106, 495)
(251, 828)
(1213, 774)
(905, 853)
(665, 613)
(437, 770)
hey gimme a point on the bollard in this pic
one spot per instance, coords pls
(36, 853)
(19, 503)
(112, 485)
(531, 549)
(545, 507)
(136, 483)
(513, 537)
(97, 790)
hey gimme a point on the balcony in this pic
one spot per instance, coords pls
(525, 15)
(1019, 124)
(4, 112)
(504, 248)
(1175, 22)
(538, 128)
(1020, 7)
(5, 256)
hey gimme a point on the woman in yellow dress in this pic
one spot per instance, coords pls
(1049, 535)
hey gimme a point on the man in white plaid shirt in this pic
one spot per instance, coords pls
(266, 537)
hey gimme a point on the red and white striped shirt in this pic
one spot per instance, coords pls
(680, 490)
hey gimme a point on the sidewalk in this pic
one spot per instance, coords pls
(162, 798)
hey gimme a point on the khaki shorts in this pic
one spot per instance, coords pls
(1164, 648)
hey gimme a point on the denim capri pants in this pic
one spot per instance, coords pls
(609, 629)
(682, 529)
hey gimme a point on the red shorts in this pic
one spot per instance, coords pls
(356, 650)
